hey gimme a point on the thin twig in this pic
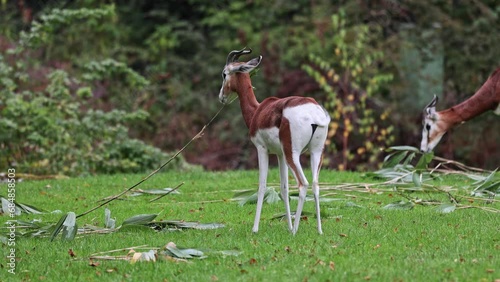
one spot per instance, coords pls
(197, 136)
(459, 165)
(450, 196)
(119, 250)
(490, 209)
(161, 196)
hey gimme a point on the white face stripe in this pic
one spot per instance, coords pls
(226, 78)
(425, 140)
(430, 128)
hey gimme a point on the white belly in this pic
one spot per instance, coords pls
(269, 139)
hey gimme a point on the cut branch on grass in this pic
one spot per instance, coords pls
(197, 136)
(170, 252)
(444, 162)
(68, 228)
(14, 208)
(398, 168)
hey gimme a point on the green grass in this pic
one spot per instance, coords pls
(360, 242)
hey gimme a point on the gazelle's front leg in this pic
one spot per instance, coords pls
(263, 169)
(284, 189)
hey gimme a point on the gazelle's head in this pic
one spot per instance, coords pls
(229, 82)
(433, 127)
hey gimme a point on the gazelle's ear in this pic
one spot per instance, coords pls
(430, 111)
(250, 65)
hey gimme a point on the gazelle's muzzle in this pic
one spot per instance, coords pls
(222, 96)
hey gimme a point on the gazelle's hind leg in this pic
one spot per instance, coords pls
(303, 184)
(284, 189)
(316, 160)
(316, 147)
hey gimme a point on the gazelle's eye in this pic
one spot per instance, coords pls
(428, 127)
(223, 76)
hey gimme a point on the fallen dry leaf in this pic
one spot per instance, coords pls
(320, 262)
(252, 261)
(332, 265)
(135, 257)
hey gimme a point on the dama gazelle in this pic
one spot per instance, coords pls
(435, 124)
(285, 127)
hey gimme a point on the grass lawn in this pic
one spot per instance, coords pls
(362, 241)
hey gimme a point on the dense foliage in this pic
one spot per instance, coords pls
(375, 69)
(48, 126)
(358, 128)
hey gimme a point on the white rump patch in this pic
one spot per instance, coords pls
(307, 114)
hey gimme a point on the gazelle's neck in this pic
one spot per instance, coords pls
(482, 101)
(248, 102)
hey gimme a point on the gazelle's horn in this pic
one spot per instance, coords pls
(234, 55)
(432, 103)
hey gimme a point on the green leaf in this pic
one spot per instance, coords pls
(485, 180)
(69, 227)
(141, 219)
(226, 253)
(108, 221)
(187, 225)
(494, 187)
(272, 196)
(401, 205)
(393, 159)
(250, 196)
(172, 250)
(7, 207)
(424, 160)
(58, 227)
(29, 209)
(409, 158)
(446, 208)
(416, 179)
(403, 148)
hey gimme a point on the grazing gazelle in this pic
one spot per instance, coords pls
(285, 127)
(435, 124)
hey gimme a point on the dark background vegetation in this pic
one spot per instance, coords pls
(98, 86)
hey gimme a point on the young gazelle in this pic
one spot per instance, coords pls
(285, 127)
(435, 124)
